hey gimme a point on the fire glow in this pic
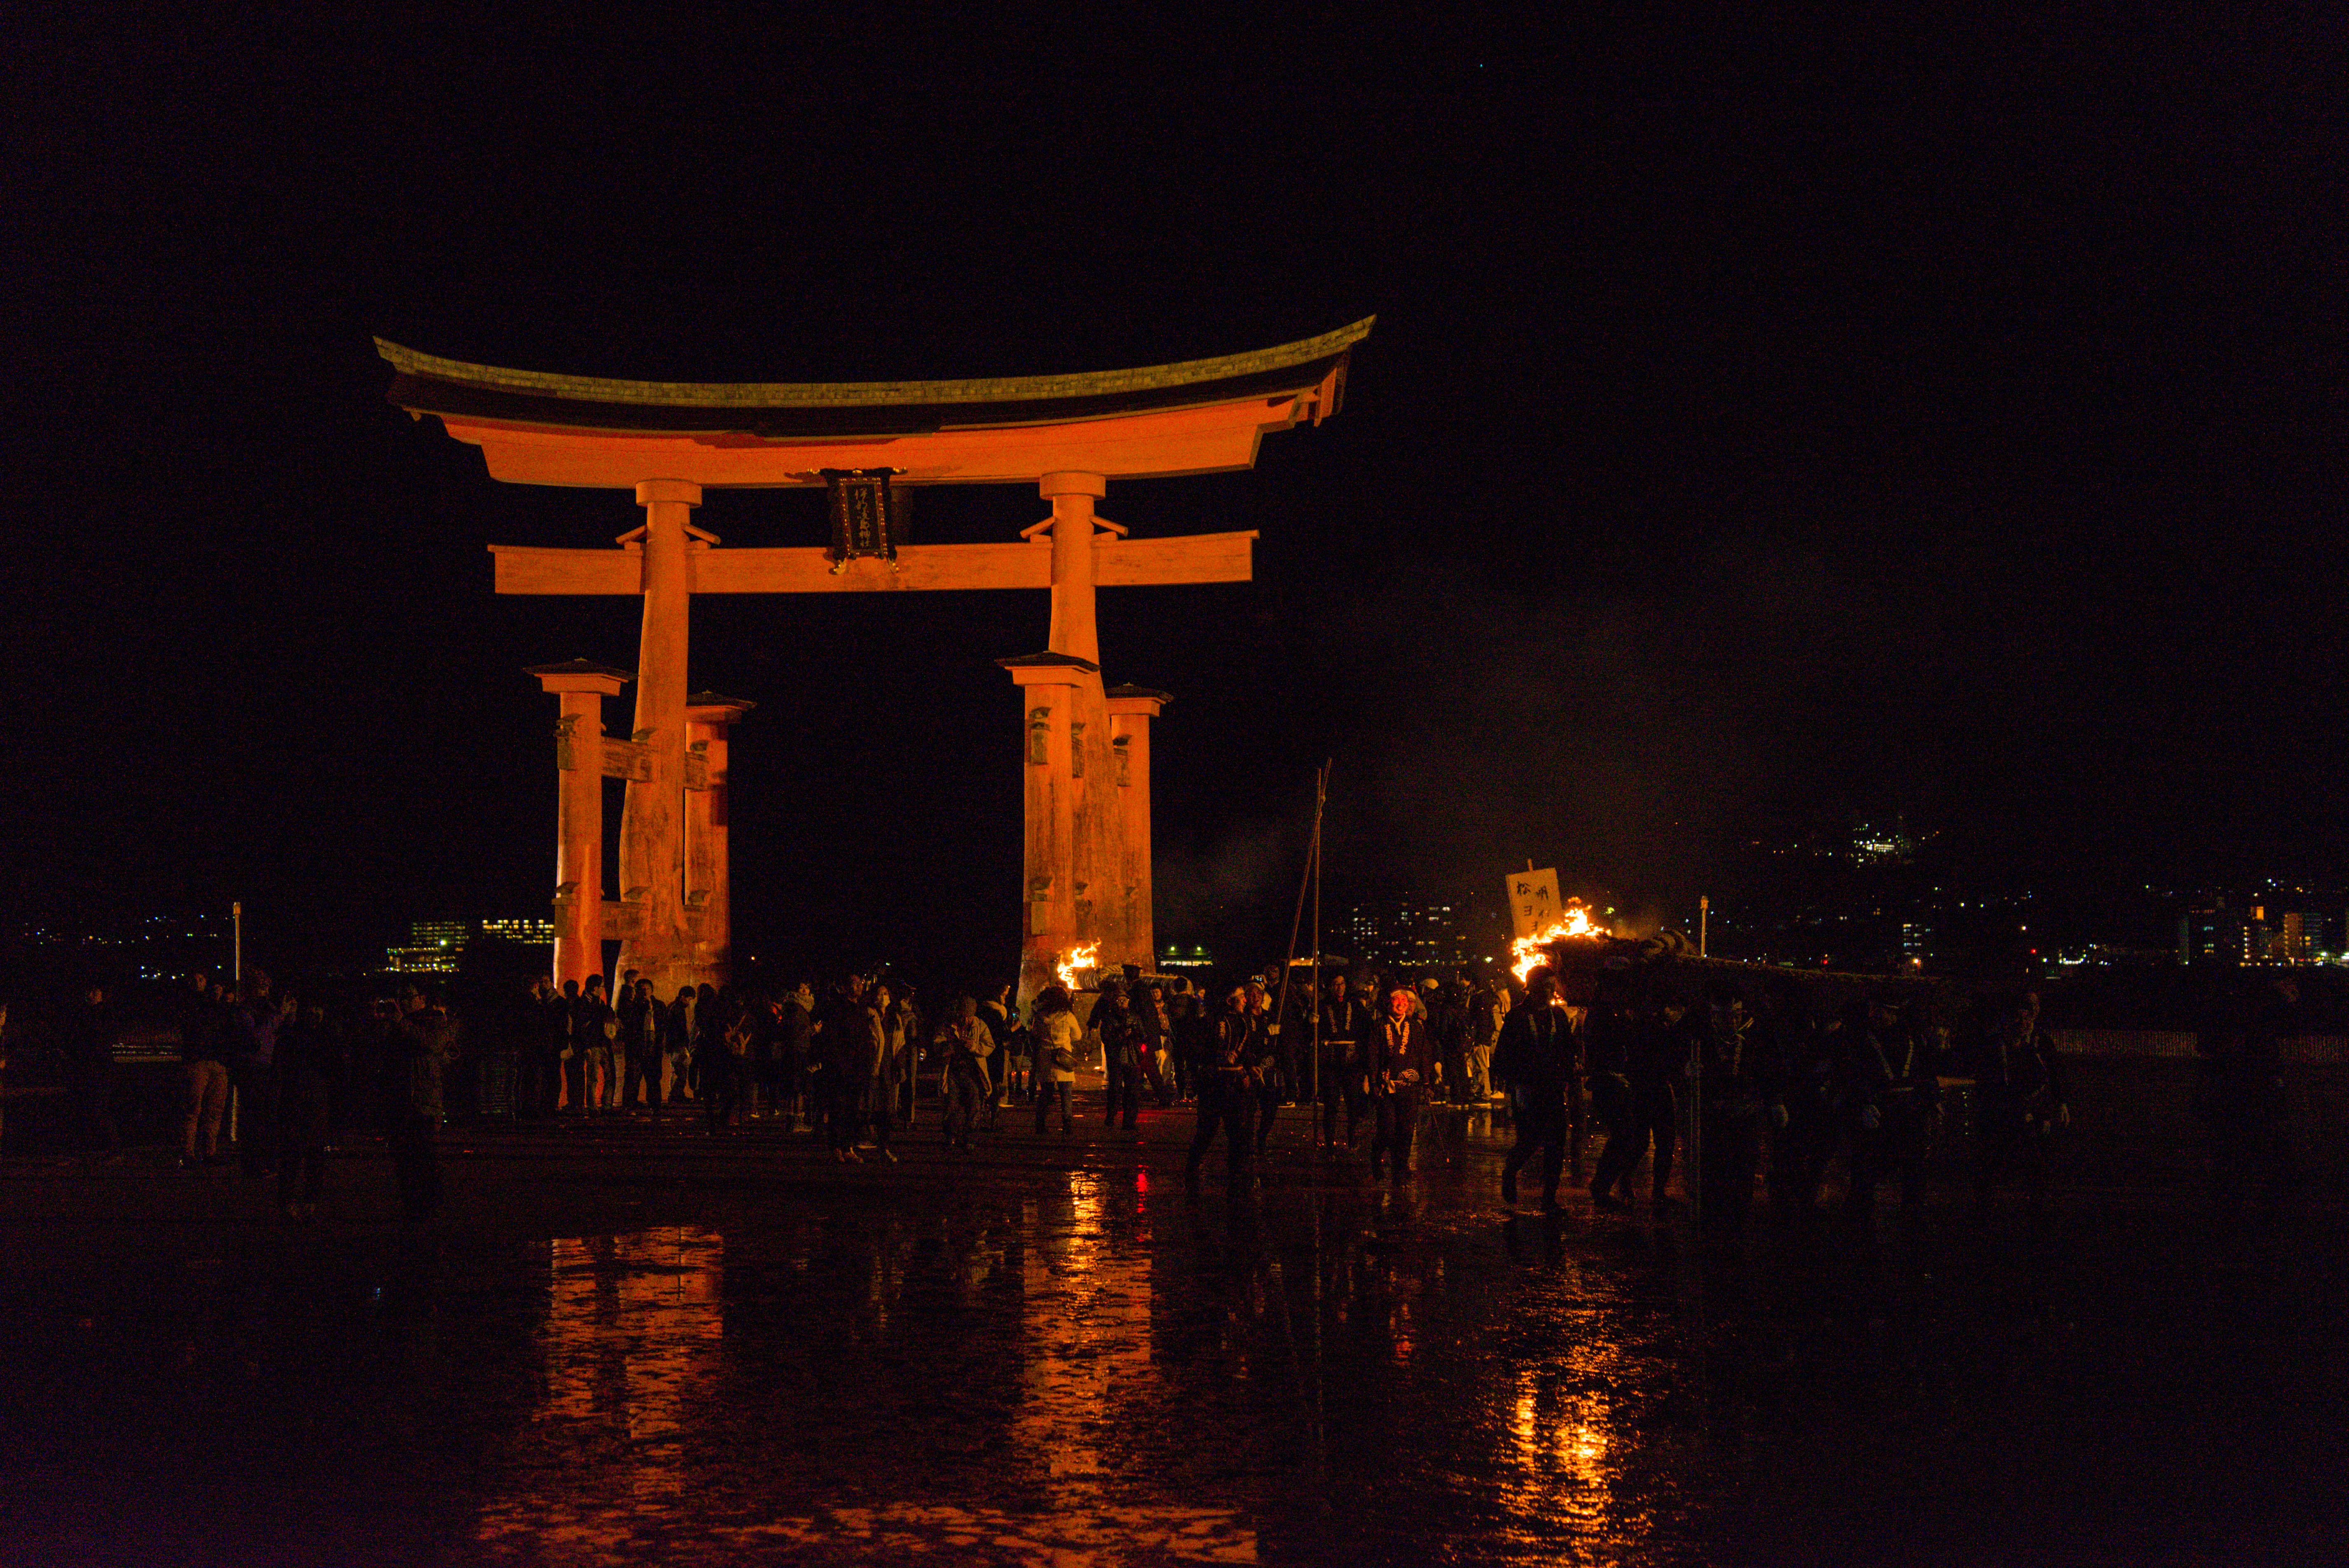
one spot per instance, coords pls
(1526, 952)
(1077, 961)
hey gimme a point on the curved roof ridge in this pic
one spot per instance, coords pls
(837, 394)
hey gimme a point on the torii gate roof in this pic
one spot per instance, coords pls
(1200, 416)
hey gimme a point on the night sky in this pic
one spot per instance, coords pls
(1763, 423)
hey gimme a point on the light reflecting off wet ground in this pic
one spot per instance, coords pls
(1011, 1362)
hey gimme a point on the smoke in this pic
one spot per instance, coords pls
(1621, 740)
(1248, 871)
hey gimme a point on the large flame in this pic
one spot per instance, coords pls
(1077, 961)
(1526, 952)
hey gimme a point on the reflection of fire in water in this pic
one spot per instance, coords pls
(1562, 1453)
(1078, 962)
(633, 1328)
(1526, 951)
(1086, 1311)
(1084, 1350)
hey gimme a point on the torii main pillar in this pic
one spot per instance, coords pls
(657, 941)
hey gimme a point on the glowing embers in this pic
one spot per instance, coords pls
(1527, 951)
(1078, 962)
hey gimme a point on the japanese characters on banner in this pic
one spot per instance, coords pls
(869, 515)
(1534, 903)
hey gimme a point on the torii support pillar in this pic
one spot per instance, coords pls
(1059, 910)
(582, 687)
(708, 718)
(660, 943)
(1131, 709)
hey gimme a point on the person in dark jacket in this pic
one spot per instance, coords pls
(1348, 1026)
(639, 1046)
(540, 1072)
(1401, 1064)
(309, 1061)
(1121, 1043)
(2020, 1101)
(1447, 1030)
(1804, 1052)
(1890, 1083)
(1195, 1037)
(851, 1044)
(795, 1044)
(421, 1047)
(1268, 1073)
(1155, 1022)
(677, 1046)
(1536, 1056)
(885, 1027)
(995, 1011)
(1607, 1047)
(1228, 1100)
(594, 1029)
(710, 1021)
(89, 1038)
(1732, 1076)
(573, 1051)
(2239, 1095)
(1656, 1048)
(253, 1050)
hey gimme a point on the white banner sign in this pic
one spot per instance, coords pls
(1533, 901)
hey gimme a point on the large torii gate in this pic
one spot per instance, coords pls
(1088, 863)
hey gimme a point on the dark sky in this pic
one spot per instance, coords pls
(1763, 423)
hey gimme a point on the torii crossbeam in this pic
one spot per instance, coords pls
(1087, 753)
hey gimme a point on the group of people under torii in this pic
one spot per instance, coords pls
(1778, 1080)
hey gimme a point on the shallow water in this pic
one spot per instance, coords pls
(1015, 1361)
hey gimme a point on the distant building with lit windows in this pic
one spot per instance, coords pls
(2259, 932)
(434, 947)
(2300, 937)
(1409, 932)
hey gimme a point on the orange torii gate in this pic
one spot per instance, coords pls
(1087, 754)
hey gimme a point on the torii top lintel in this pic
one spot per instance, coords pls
(1201, 415)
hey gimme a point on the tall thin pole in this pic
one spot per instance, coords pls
(1320, 801)
(236, 959)
(1703, 918)
(1296, 920)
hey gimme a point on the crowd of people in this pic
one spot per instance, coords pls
(1783, 1086)
(1774, 1082)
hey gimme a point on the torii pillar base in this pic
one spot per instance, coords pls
(1134, 930)
(1060, 921)
(709, 719)
(579, 832)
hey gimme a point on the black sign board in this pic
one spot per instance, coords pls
(869, 515)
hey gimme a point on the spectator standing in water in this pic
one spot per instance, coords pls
(420, 1047)
(969, 1045)
(204, 1048)
(1537, 1057)
(1228, 1100)
(309, 1063)
(1403, 1060)
(1059, 1037)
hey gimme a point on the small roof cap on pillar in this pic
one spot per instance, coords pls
(708, 706)
(581, 675)
(1048, 659)
(1151, 694)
